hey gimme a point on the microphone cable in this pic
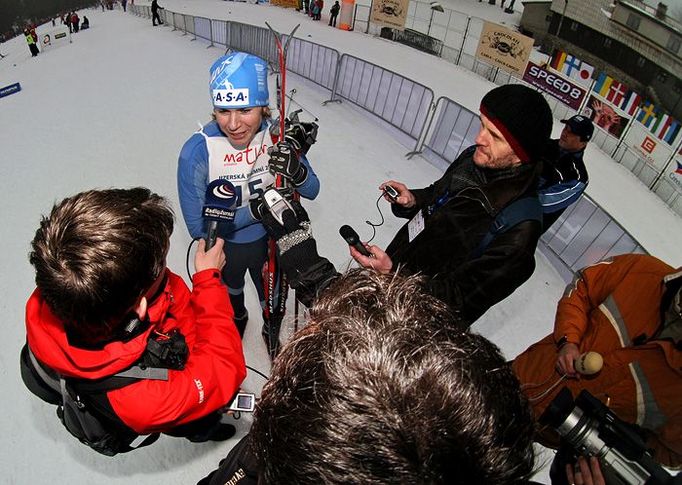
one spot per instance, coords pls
(372, 224)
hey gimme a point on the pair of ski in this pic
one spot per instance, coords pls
(276, 286)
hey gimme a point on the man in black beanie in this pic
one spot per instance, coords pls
(473, 232)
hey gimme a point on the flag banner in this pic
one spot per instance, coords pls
(572, 67)
(617, 93)
(504, 48)
(605, 116)
(556, 86)
(660, 124)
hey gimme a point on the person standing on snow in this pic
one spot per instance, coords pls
(564, 176)
(453, 236)
(155, 13)
(238, 146)
(334, 12)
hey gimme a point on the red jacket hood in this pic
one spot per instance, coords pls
(47, 339)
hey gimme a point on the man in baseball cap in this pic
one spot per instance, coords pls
(564, 176)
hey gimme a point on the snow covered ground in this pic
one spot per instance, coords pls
(113, 108)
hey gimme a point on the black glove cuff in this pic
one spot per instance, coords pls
(256, 208)
(300, 177)
(298, 257)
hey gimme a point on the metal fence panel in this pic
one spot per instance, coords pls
(189, 24)
(667, 190)
(252, 39)
(454, 130)
(202, 28)
(585, 234)
(401, 102)
(313, 61)
(637, 165)
(220, 32)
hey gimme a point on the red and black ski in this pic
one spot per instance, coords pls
(276, 285)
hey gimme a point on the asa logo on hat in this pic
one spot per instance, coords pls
(228, 98)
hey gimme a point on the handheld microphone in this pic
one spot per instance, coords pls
(588, 363)
(220, 197)
(352, 238)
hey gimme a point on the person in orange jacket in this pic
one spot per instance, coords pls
(629, 310)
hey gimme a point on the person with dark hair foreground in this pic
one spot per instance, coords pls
(474, 231)
(106, 305)
(384, 385)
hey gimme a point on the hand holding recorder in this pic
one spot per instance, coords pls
(398, 193)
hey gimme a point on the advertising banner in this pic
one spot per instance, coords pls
(11, 89)
(674, 173)
(390, 13)
(55, 37)
(504, 48)
(605, 116)
(285, 3)
(565, 91)
(648, 146)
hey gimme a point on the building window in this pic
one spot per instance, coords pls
(677, 88)
(633, 21)
(641, 62)
(574, 26)
(607, 42)
(662, 76)
(674, 44)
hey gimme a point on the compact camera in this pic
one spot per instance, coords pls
(243, 401)
(276, 204)
(391, 193)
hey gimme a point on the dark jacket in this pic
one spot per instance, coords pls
(563, 179)
(471, 198)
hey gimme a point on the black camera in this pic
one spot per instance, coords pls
(592, 429)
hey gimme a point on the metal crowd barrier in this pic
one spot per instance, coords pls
(203, 29)
(583, 235)
(313, 61)
(401, 102)
(455, 129)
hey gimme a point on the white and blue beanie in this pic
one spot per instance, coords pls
(239, 80)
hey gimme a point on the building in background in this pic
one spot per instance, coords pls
(636, 43)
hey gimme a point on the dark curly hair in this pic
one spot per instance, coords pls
(385, 386)
(96, 254)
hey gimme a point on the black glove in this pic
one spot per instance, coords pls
(301, 135)
(284, 161)
(308, 272)
(257, 207)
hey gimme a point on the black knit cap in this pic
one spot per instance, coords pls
(523, 117)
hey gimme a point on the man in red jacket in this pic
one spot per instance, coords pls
(105, 303)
